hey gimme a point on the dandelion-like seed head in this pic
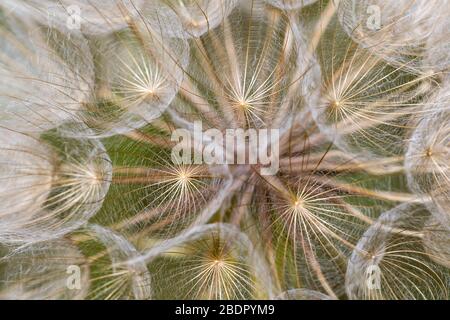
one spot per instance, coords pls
(104, 170)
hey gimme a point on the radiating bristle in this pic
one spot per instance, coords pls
(52, 188)
(215, 262)
(46, 76)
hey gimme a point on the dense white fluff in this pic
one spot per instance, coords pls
(250, 75)
(26, 170)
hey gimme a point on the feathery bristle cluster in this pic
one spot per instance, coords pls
(97, 99)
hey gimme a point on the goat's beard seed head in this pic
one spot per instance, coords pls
(87, 122)
(51, 185)
(302, 294)
(26, 174)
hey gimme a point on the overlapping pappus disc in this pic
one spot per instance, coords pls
(138, 72)
(303, 294)
(26, 163)
(71, 16)
(89, 264)
(186, 18)
(390, 262)
(43, 271)
(427, 159)
(436, 241)
(252, 71)
(112, 276)
(214, 261)
(290, 4)
(349, 113)
(50, 186)
(410, 33)
(46, 76)
(154, 196)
